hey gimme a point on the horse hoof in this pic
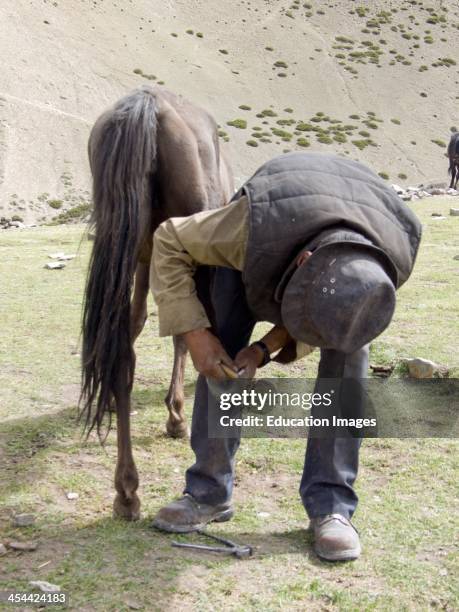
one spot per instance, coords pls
(178, 429)
(129, 510)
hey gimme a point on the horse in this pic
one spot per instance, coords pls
(153, 155)
(453, 155)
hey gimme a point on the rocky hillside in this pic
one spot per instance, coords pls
(373, 80)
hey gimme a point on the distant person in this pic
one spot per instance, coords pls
(317, 245)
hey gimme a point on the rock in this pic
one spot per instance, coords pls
(23, 520)
(452, 192)
(45, 587)
(22, 546)
(424, 368)
(434, 185)
(398, 189)
(263, 514)
(456, 257)
(58, 265)
(71, 495)
(454, 212)
(438, 218)
(435, 214)
(133, 605)
(436, 191)
(406, 197)
(3, 550)
(382, 370)
(61, 256)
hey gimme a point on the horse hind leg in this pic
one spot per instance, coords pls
(127, 503)
(139, 299)
(176, 425)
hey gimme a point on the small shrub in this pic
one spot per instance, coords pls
(288, 110)
(245, 107)
(384, 175)
(138, 71)
(280, 64)
(396, 121)
(252, 143)
(55, 204)
(199, 34)
(303, 142)
(238, 123)
(402, 176)
(190, 32)
(223, 51)
(438, 142)
(268, 113)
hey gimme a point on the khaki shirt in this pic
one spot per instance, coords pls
(214, 238)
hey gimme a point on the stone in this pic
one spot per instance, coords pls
(22, 546)
(456, 257)
(438, 218)
(452, 192)
(454, 212)
(56, 255)
(57, 265)
(436, 191)
(3, 550)
(72, 496)
(434, 185)
(397, 189)
(424, 368)
(45, 587)
(23, 520)
(406, 197)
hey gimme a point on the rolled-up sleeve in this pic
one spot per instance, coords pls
(180, 245)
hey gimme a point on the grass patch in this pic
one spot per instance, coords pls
(241, 124)
(409, 556)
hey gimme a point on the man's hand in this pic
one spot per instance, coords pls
(207, 353)
(248, 360)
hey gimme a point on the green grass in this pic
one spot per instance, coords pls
(406, 513)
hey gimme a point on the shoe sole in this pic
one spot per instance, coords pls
(343, 555)
(220, 517)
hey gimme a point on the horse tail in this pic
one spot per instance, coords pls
(122, 154)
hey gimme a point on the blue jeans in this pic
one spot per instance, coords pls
(331, 464)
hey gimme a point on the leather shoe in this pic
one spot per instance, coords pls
(335, 538)
(186, 514)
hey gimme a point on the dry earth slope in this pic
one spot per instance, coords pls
(373, 80)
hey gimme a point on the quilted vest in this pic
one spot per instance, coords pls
(294, 197)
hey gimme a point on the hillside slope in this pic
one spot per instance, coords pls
(376, 81)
